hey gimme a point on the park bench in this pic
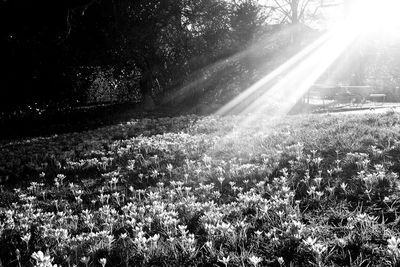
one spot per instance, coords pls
(377, 97)
(341, 94)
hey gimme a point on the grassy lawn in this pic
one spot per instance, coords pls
(310, 190)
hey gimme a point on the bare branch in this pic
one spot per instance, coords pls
(282, 9)
(303, 8)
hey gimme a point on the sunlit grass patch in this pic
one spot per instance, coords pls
(303, 190)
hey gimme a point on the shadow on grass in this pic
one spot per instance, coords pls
(74, 120)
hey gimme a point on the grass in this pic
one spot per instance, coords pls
(46, 122)
(317, 190)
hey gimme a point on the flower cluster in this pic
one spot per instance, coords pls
(200, 191)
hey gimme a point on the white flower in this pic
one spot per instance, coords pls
(318, 248)
(258, 233)
(393, 246)
(255, 260)
(103, 262)
(85, 260)
(42, 260)
(169, 167)
(155, 238)
(123, 236)
(343, 186)
(309, 241)
(26, 237)
(225, 260)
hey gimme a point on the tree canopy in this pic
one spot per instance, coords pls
(50, 46)
(80, 51)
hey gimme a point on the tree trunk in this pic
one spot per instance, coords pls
(295, 21)
(146, 86)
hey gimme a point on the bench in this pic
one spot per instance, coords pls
(377, 97)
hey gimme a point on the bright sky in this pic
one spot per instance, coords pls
(368, 13)
(331, 11)
(367, 19)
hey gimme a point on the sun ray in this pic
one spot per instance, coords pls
(300, 73)
(233, 105)
(274, 95)
(199, 78)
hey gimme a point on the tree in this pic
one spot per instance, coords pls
(295, 13)
(168, 40)
(163, 42)
(246, 19)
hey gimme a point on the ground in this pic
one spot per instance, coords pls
(304, 190)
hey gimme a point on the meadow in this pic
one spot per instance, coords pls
(309, 190)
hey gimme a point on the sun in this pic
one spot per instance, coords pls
(374, 16)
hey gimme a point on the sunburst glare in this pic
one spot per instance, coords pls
(278, 92)
(371, 16)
